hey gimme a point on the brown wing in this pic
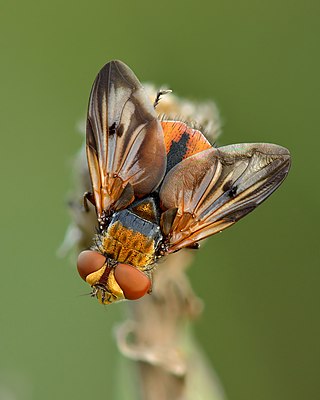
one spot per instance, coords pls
(211, 190)
(125, 145)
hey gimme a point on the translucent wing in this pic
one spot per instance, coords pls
(124, 139)
(213, 189)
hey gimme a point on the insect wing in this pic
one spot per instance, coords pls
(124, 139)
(213, 189)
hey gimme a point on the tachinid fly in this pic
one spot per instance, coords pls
(159, 186)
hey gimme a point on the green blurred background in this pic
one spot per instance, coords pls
(260, 280)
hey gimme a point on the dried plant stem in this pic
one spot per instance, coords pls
(157, 337)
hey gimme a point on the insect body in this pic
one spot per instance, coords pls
(158, 187)
(132, 238)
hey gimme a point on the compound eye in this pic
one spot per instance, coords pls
(89, 261)
(133, 282)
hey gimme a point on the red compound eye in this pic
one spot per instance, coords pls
(89, 261)
(133, 282)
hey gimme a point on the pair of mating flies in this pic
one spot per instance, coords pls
(159, 186)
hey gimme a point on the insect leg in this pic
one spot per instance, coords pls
(160, 93)
(193, 246)
(88, 196)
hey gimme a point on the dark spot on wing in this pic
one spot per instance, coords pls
(120, 130)
(230, 189)
(233, 191)
(112, 129)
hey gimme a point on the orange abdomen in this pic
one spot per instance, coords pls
(131, 239)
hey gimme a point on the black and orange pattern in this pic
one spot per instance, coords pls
(159, 187)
